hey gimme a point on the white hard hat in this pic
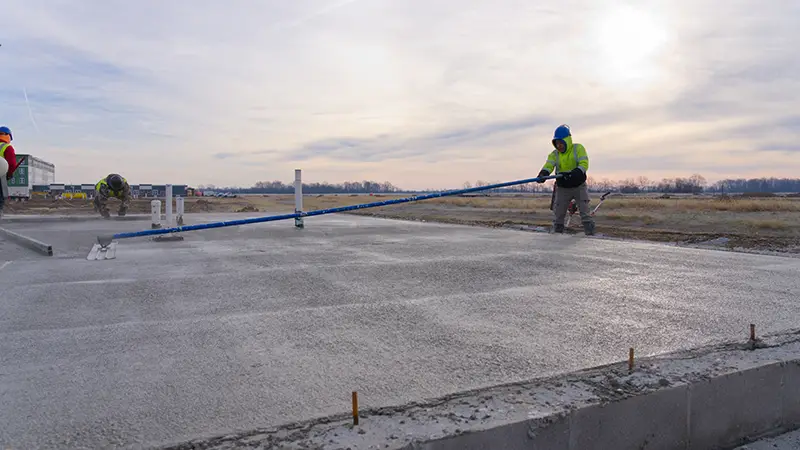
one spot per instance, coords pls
(3, 167)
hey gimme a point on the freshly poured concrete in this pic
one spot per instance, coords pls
(254, 326)
(713, 397)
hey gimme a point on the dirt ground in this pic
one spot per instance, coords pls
(770, 223)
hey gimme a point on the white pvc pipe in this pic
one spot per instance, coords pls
(155, 213)
(298, 197)
(170, 223)
(179, 208)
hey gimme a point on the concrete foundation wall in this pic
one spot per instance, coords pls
(717, 397)
(718, 413)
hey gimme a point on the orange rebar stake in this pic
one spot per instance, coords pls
(355, 408)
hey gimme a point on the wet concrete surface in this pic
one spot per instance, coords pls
(239, 328)
(11, 251)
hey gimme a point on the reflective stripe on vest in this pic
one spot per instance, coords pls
(3, 147)
(117, 194)
(574, 154)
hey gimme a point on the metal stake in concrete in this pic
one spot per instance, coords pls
(168, 205)
(298, 198)
(179, 208)
(155, 214)
(630, 360)
(355, 408)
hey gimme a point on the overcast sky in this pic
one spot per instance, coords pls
(422, 93)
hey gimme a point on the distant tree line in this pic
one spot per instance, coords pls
(694, 184)
(279, 187)
(697, 184)
(757, 185)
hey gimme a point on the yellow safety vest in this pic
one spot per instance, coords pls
(113, 192)
(574, 157)
(3, 147)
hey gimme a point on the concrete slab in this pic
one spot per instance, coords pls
(604, 407)
(13, 251)
(20, 239)
(61, 218)
(241, 328)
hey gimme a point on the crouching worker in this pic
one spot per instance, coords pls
(112, 186)
(570, 160)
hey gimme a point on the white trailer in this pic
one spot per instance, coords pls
(32, 171)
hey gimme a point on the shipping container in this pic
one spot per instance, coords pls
(32, 171)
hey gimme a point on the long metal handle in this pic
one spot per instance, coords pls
(319, 212)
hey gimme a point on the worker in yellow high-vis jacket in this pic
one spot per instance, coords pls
(116, 186)
(571, 160)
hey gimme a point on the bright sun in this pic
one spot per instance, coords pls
(629, 41)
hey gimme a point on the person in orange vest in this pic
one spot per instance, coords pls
(9, 157)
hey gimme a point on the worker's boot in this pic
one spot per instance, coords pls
(588, 228)
(558, 228)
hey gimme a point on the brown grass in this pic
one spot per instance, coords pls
(764, 224)
(647, 219)
(648, 204)
(493, 202)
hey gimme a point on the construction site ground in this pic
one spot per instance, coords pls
(239, 328)
(748, 223)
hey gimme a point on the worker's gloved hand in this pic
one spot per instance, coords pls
(542, 173)
(577, 176)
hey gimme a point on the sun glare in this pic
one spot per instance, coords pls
(629, 41)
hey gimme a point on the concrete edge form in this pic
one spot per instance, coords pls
(25, 241)
(719, 396)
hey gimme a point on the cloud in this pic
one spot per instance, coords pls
(422, 94)
(383, 148)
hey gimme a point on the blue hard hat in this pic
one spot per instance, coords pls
(562, 132)
(7, 131)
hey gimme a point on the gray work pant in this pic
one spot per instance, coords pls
(3, 192)
(564, 196)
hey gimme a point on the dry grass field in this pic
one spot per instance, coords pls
(769, 223)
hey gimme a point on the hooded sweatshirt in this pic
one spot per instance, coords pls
(574, 157)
